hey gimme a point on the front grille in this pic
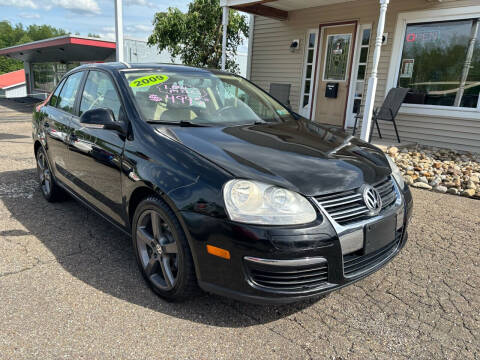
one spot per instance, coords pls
(356, 263)
(348, 206)
(288, 279)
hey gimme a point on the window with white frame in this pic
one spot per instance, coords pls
(308, 72)
(440, 62)
(361, 70)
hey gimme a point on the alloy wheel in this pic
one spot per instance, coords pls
(157, 250)
(44, 173)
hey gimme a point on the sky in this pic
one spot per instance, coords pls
(88, 16)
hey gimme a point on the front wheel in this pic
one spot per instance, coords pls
(162, 251)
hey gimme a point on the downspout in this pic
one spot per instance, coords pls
(224, 38)
(468, 63)
(372, 81)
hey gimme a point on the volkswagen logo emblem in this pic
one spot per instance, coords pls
(372, 199)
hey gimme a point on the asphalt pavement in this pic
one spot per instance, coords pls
(70, 288)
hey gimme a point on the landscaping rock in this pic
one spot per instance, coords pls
(468, 193)
(452, 191)
(440, 189)
(408, 179)
(422, 185)
(440, 170)
(393, 151)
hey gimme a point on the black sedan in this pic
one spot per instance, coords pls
(220, 186)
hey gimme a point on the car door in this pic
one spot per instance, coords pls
(57, 124)
(95, 154)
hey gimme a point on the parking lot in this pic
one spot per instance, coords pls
(70, 288)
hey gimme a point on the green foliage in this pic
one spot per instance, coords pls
(196, 36)
(93, 35)
(11, 35)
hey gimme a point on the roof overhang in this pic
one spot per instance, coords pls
(62, 49)
(279, 9)
(276, 9)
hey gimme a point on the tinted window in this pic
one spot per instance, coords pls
(55, 97)
(69, 92)
(99, 92)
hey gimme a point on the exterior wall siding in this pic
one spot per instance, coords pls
(273, 62)
(14, 92)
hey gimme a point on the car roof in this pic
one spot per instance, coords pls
(119, 66)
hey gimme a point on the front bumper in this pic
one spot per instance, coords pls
(267, 262)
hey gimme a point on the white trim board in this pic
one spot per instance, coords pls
(250, 46)
(440, 111)
(423, 16)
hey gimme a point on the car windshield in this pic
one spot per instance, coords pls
(199, 97)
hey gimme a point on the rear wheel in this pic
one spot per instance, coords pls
(49, 188)
(162, 251)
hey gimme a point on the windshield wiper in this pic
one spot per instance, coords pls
(182, 123)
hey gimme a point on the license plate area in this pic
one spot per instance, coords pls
(379, 234)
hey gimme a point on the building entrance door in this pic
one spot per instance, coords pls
(334, 74)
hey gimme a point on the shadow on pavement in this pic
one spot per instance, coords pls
(12, 136)
(95, 252)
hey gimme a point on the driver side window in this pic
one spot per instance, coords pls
(99, 92)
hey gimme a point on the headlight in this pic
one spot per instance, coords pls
(396, 172)
(254, 202)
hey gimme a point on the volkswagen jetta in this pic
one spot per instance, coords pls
(220, 186)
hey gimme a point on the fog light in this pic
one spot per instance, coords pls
(213, 250)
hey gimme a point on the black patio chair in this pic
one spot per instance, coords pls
(281, 92)
(387, 112)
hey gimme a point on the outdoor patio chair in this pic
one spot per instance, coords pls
(281, 92)
(387, 112)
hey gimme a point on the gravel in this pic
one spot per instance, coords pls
(440, 170)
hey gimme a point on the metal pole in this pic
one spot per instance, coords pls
(119, 30)
(224, 39)
(372, 81)
(468, 63)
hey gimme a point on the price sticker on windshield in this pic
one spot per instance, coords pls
(149, 80)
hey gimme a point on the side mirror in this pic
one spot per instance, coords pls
(101, 118)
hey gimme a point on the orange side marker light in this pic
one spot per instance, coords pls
(213, 250)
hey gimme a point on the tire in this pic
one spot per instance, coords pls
(163, 255)
(50, 190)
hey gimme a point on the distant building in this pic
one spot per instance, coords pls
(12, 84)
(46, 61)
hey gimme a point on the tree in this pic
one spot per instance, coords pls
(16, 35)
(196, 36)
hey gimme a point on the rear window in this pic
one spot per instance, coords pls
(66, 100)
(54, 98)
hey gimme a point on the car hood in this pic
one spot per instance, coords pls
(299, 155)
